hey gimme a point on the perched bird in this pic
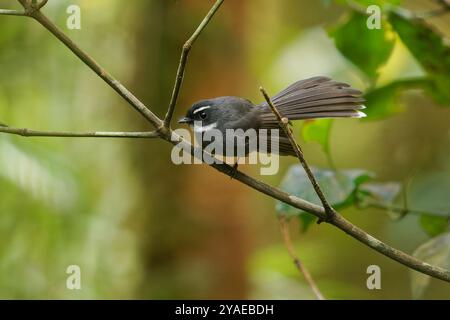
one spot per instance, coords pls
(317, 97)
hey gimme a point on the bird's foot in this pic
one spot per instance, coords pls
(233, 171)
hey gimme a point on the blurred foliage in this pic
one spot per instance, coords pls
(371, 50)
(109, 205)
(318, 131)
(384, 101)
(57, 207)
(435, 251)
(339, 187)
(434, 225)
(382, 194)
(428, 192)
(366, 3)
(430, 50)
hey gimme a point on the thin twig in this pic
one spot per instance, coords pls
(338, 221)
(299, 265)
(260, 186)
(96, 134)
(42, 4)
(6, 12)
(284, 124)
(183, 60)
(400, 210)
(91, 63)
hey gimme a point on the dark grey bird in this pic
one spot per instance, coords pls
(314, 98)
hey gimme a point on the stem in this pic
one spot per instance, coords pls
(337, 220)
(25, 132)
(400, 210)
(6, 12)
(42, 3)
(91, 63)
(300, 266)
(284, 124)
(183, 60)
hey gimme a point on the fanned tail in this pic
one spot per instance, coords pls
(318, 97)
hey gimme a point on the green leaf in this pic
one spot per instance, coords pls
(430, 50)
(367, 48)
(384, 101)
(338, 186)
(305, 221)
(433, 225)
(435, 251)
(429, 193)
(318, 131)
(383, 194)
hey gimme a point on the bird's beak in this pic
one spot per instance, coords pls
(185, 120)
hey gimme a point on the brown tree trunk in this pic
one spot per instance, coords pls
(192, 224)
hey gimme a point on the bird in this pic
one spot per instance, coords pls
(312, 98)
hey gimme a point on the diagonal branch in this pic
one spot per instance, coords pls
(183, 60)
(284, 124)
(170, 136)
(298, 264)
(337, 220)
(25, 132)
(91, 63)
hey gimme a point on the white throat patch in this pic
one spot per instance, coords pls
(205, 128)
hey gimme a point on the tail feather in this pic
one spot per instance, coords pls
(321, 109)
(318, 97)
(330, 102)
(301, 84)
(322, 87)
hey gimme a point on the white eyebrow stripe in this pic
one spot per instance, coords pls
(205, 128)
(201, 109)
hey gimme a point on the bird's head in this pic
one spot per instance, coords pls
(212, 113)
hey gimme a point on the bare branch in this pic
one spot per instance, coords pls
(183, 60)
(41, 4)
(337, 220)
(97, 134)
(91, 63)
(399, 210)
(284, 124)
(298, 264)
(6, 12)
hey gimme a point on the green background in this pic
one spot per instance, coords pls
(139, 226)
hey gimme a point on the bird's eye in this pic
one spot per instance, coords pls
(202, 115)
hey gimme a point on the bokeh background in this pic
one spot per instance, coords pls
(139, 226)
